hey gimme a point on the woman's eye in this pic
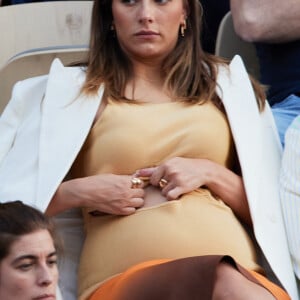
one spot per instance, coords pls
(162, 1)
(25, 267)
(52, 262)
(129, 2)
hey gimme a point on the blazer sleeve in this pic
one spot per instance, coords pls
(24, 94)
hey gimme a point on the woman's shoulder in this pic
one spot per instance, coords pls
(230, 69)
(27, 92)
(57, 70)
(73, 73)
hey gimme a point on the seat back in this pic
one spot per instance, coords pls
(228, 44)
(43, 24)
(34, 63)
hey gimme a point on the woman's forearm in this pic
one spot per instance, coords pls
(269, 21)
(107, 193)
(62, 199)
(230, 188)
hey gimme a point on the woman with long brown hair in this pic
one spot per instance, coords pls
(150, 138)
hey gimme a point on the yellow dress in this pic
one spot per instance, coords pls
(130, 136)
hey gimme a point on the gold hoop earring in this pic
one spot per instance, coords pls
(183, 28)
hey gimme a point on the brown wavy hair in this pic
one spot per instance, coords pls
(18, 219)
(190, 73)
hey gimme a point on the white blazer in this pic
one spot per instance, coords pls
(46, 122)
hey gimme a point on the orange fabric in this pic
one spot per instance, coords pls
(274, 289)
(104, 291)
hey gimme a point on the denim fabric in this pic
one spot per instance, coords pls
(284, 113)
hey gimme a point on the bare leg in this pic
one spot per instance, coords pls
(232, 285)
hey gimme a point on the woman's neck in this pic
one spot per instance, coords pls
(147, 84)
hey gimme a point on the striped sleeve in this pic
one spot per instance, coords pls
(290, 191)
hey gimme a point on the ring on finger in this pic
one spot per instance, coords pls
(162, 183)
(136, 182)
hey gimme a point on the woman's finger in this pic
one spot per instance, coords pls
(126, 211)
(146, 172)
(136, 202)
(137, 193)
(174, 193)
(159, 178)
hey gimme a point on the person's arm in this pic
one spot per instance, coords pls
(184, 175)
(269, 21)
(230, 188)
(290, 191)
(10, 120)
(106, 193)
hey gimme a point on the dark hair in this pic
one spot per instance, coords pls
(190, 73)
(17, 219)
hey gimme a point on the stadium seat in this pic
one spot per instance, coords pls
(229, 44)
(43, 24)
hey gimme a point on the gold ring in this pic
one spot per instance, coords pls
(163, 182)
(136, 182)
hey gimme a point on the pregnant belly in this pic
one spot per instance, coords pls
(196, 224)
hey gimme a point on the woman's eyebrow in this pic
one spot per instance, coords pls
(32, 257)
(23, 257)
(54, 253)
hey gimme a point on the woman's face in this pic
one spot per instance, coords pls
(147, 29)
(30, 272)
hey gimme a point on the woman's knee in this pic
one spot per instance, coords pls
(231, 284)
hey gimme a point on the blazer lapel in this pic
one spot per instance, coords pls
(239, 101)
(67, 117)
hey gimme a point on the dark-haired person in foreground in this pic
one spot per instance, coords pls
(28, 254)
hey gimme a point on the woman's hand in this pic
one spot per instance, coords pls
(178, 176)
(108, 193)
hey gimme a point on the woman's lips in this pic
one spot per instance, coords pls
(45, 297)
(146, 33)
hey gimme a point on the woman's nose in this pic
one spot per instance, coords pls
(45, 276)
(146, 12)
